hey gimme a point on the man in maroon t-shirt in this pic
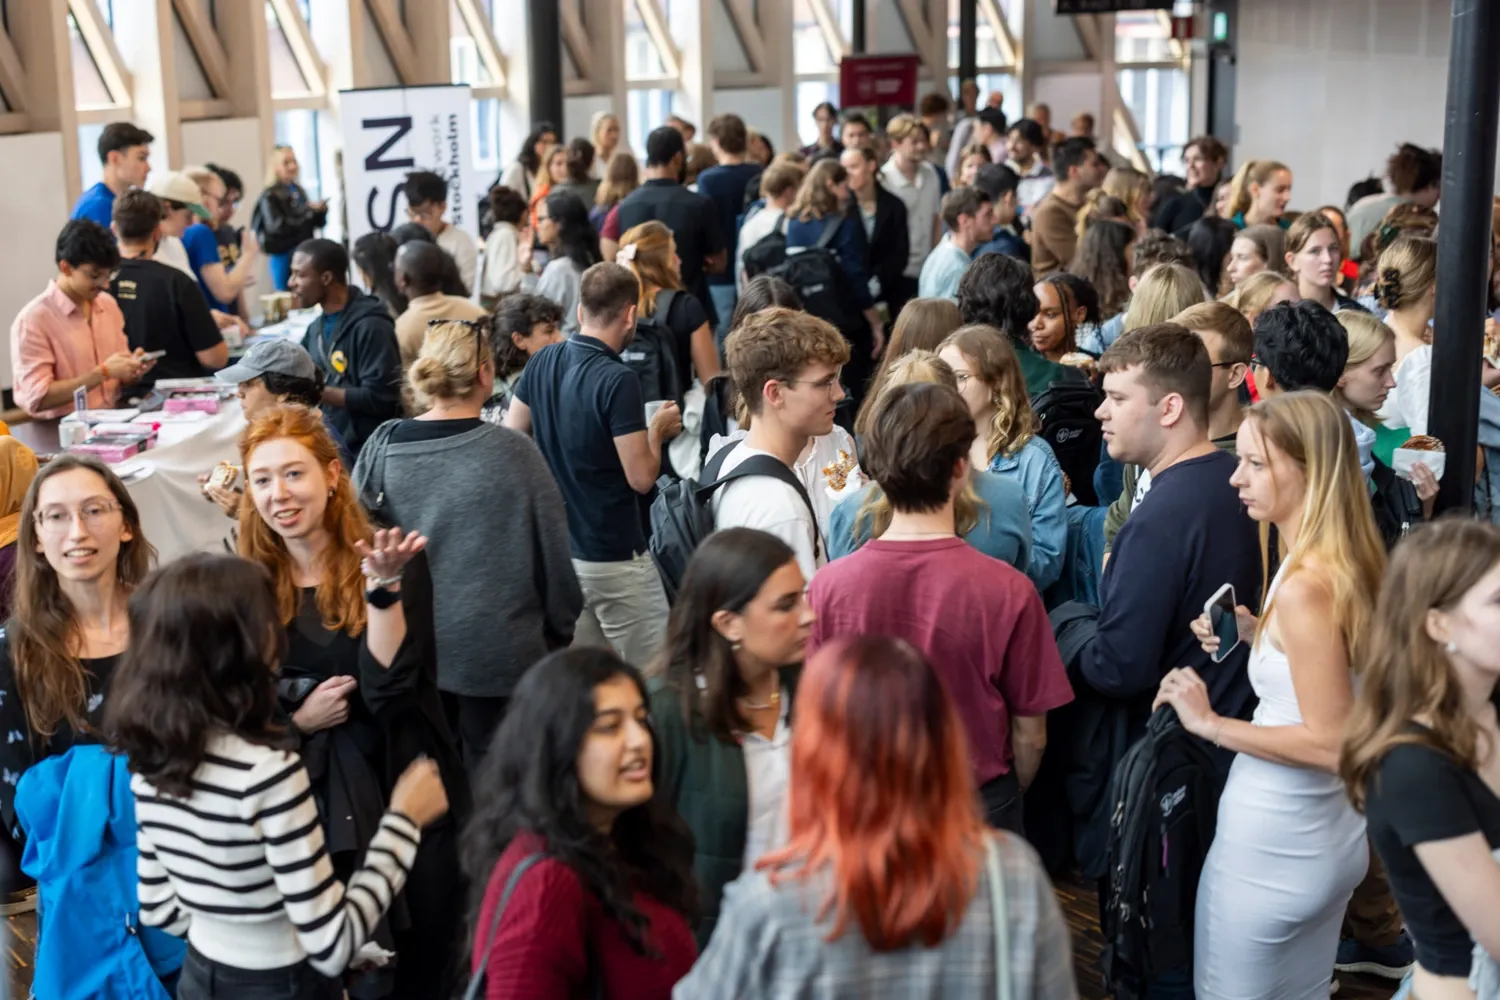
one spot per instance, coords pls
(979, 622)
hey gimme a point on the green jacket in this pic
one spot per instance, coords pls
(1040, 373)
(704, 778)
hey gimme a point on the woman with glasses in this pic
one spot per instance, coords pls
(79, 554)
(503, 612)
(357, 678)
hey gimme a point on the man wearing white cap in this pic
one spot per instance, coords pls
(181, 202)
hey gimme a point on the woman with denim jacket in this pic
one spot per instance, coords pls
(991, 382)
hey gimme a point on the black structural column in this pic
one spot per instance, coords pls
(968, 41)
(1469, 135)
(859, 42)
(544, 37)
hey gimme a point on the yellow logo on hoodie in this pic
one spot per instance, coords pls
(339, 362)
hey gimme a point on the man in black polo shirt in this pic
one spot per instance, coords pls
(692, 218)
(164, 308)
(585, 409)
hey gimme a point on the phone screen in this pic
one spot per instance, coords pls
(1222, 618)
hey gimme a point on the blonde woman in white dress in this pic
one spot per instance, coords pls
(1289, 849)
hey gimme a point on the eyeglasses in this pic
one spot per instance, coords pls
(827, 385)
(56, 520)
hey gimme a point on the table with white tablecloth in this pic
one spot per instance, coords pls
(163, 482)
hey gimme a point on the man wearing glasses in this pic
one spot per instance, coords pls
(426, 203)
(72, 335)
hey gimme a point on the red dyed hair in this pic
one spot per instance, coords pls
(341, 593)
(882, 793)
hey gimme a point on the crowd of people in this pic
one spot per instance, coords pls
(751, 575)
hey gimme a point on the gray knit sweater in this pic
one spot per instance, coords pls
(504, 590)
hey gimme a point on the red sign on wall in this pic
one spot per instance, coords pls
(871, 80)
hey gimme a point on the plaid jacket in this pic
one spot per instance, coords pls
(769, 944)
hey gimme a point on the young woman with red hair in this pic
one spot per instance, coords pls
(888, 883)
(359, 676)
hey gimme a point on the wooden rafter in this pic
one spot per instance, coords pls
(397, 42)
(192, 111)
(661, 36)
(206, 46)
(1087, 26)
(14, 122)
(833, 35)
(1006, 40)
(742, 16)
(577, 41)
(12, 76)
(484, 42)
(101, 45)
(299, 40)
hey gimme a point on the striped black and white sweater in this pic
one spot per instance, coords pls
(240, 869)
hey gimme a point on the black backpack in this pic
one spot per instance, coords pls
(682, 514)
(766, 253)
(652, 355)
(1165, 796)
(1065, 414)
(814, 273)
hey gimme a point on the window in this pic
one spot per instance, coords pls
(811, 93)
(642, 61)
(649, 109)
(88, 155)
(484, 113)
(299, 129)
(1158, 98)
(810, 50)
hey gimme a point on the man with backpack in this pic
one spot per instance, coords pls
(585, 409)
(786, 365)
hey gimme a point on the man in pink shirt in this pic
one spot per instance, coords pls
(979, 622)
(73, 334)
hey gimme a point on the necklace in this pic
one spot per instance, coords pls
(775, 702)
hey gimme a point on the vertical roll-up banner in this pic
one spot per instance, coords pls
(391, 131)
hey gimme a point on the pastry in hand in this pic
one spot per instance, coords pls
(224, 475)
(837, 472)
(1423, 442)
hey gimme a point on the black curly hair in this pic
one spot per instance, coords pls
(997, 290)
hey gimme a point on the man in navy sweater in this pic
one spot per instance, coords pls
(1187, 538)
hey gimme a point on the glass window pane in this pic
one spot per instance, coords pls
(809, 46)
(463, 53)
(89, 89)
(286, 75)
(299, 129)
(485, 115)
(1158, 98)
(1142, 36)
(649, 109)
(642, 61)
(811, 93)
(88, 155)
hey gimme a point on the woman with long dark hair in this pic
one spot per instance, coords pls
(79, 555)
(721, 701)
(232, 853)
(890, 883)
(577, 839)
(1067, 308)
(562, 223)
(523, 174)
(1421, 758)
(1210, 240)
(359, 676)
(375, 256)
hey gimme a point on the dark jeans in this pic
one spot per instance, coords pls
(204, 979)
(474, 720)
(1372, 918)
(1001, 799)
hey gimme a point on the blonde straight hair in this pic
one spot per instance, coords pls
(1163, 292)
(1337, 529)
(1366, 336)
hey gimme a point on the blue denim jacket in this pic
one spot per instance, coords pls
(1003, 531)
(1036, 469)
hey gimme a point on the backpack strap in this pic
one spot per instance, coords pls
(476, 982)
(831, 226)
(758, 465)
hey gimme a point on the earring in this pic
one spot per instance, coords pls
(1451, 648)
(330, 492)
(734, 645)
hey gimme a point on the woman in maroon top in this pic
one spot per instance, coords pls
(593, 866)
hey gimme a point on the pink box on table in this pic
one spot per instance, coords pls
(184, 402)
(114, 447)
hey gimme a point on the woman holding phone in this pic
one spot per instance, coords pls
(1289, 849)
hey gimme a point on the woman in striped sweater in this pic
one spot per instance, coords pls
(232, 855)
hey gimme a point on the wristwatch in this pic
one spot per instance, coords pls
(379, 598)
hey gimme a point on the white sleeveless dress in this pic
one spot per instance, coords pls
(1287, 855)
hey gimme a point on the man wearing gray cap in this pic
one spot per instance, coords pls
(274, 372)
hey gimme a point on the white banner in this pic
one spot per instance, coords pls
(390, 132)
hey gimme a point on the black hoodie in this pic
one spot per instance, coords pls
(363, 359)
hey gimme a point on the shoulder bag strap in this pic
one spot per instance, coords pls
(476, 983)
(830, 230)
(769, 465)
(1000, 917)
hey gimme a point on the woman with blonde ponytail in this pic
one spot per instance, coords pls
(495, 527)
(1289, 849)
(1259, 194)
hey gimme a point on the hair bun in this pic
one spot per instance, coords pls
(1388, 288)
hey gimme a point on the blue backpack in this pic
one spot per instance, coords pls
(79, 817)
